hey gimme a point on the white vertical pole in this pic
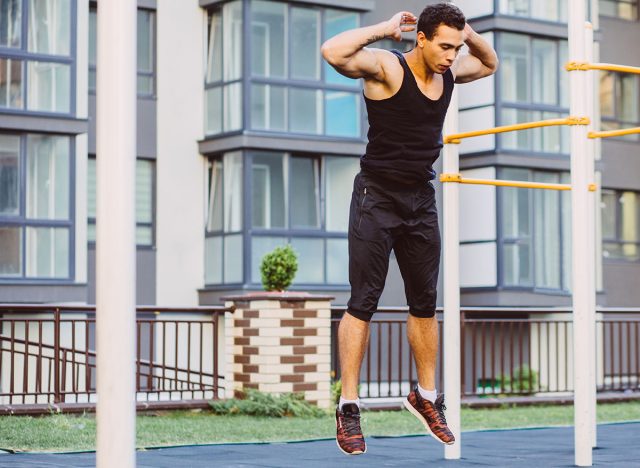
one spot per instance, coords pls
(115, 243)
(451, 263)
(580, 240)
(591, 174)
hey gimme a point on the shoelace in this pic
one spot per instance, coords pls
(352, 424)
(440, 409)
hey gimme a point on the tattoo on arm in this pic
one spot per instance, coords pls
(372, 39)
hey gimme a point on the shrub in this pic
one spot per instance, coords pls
(278, 268)
(257, 403)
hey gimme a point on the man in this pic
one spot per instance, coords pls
(393, 202)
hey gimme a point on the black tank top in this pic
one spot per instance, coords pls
(405, 131)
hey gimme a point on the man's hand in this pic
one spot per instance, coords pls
(403, 21)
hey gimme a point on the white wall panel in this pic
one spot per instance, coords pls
(478, 207)
(475, 8)
(478, 266)
(477, 119)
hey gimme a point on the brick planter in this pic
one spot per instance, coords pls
(279, 343)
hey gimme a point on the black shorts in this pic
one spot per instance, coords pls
(385, 216)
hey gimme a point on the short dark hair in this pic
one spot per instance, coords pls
(441, 13)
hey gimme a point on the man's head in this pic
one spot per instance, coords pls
(440, 35)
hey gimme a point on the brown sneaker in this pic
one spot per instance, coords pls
(431, 415)
(349, 434)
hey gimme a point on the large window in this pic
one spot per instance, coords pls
(533, 87)
(624, 9)
(145, 201)
(35, 58)
(619, 102)
(534, 232)
(145, 51)
(621, 224)
(298, 199)
(549, 10)
(35, 207)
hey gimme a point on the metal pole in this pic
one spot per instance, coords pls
(451, 263)
(591, 174)
(580, 240)
(115, 243)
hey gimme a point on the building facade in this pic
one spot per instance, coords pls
(247, 140)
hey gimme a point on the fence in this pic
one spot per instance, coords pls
(47, 356)
(505, 351)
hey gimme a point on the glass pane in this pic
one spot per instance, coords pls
(554, 139)
(260, 246)
(214, 47)
(305, 111)
(11, 84)
(49, 87)
(339, 175)
(268, 107)
(144, 191)
(549, 10)
(145, 40)
(91, 231)
(608, 205)
(50, 26)
(547, 233)
(310, 260)
(144, 235)
(232, 107)
(515, 7)
(48, 177)
(335, 22)
(232, 38)
(545, 67)
(564, 77)
(565, 201)
(145, 85)
(214, 218)
(47, 252)
(233, 259)
(521, 140)
(628, 99)
(213, 260)
(268, 191)
(91, 188)
(517, 265)
(337, 261)
(515, 206)
(93, 37)
(305, 193)
(233, 192)
(630, 211)
(305, 44)
(10, 23)
(342, 114)
(268, 44)
(607, 94)
(514, 69)
(9, 175)
(213, 122)
(10, 251)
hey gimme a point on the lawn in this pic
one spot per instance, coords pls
(68, 433)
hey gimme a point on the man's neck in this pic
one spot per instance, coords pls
(418, 67)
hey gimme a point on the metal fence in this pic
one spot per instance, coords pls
(505, 351)
(48, 355)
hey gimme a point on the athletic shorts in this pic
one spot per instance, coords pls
(385, 216)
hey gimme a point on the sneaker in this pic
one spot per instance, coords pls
(349, 434)
(431, 415)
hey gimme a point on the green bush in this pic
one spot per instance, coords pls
(257, 403)
(278, 268)
(522, 380)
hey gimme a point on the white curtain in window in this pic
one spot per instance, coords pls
(232, 32)
(547, 233)
(50, 26)
(233, 192)
(48, 177)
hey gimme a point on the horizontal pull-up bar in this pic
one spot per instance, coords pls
(455, 138)
(583, 66)
(508, 183)
(614, 133)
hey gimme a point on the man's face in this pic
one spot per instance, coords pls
(440, 52)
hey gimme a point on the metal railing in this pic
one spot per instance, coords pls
(48, 357)
(506, 351)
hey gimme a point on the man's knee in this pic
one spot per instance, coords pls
(364, 316)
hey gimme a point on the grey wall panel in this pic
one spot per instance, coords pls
(621, 280)
(621, 165)
(42, 293)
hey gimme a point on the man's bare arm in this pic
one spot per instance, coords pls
(481, 61)
(347, 52)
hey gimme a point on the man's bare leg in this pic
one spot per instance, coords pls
(353, 336)
(423, 338)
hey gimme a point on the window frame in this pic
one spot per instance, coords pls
(617, 240)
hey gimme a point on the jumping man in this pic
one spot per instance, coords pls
(393, 203)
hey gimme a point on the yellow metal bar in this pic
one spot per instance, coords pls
(455, 138)
(508, 183)
(615, 133)
(583, 66)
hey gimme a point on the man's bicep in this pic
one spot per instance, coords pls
(469, 68)
(365, 63)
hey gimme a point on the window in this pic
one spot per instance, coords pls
(619, 102)
(145, 201)
(534, 232)
(36, 62)
(533, 87)
(35, 207)
(145, 51)
(624, 9)
(550, 10)
(621, 225)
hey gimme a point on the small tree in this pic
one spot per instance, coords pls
(278, 268)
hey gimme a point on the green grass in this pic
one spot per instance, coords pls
(67, 433)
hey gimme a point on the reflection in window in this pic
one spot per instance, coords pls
(623, 9)
(49, 87)
(269, 39)
(305, 193)
(9, 175)
(549, 10)
(621, 224)
(10, 23)
(50, 27)
(11, 84)
(619, 102)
